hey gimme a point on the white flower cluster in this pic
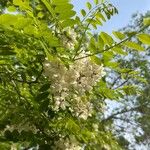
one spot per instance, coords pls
(22, 127)
(70, 84)
(70, 39)
(65, 144)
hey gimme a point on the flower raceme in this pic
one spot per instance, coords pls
(69, 85)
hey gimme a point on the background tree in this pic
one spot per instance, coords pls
(131, 114)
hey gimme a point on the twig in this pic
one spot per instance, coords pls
(121, 84)
(122, 112)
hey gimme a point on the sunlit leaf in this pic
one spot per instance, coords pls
(133, 45)
(96, 2)
(119, 35)
(144, 38)
(107, 38)
(89, 6)
(146, 21)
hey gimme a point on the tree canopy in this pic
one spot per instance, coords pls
(56, 75)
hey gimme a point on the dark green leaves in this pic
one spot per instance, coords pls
(8, 52)
(83, 12)
(45, 87)
(42, 96)
(43, 92)
(12, 136)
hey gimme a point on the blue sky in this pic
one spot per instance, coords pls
(125, 7)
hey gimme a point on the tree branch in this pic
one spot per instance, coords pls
(122, 112)
(111, 47)
(121, 84)
(94, 10)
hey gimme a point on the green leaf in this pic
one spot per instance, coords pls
(61, 8)
(112, 65)
(146, 21)
(100, 43)
(130, 90)
(68, 14)
(98, 22)
(45, 87)
(92, 45)
(108, 40)
(119, 35)
(11, 9)
(115, 10)
(89, 6)
(68, 22)
(133, 45)
(41, 96)
(108, 15)
(23, 4)
(22, 22)
(7, 52)
(105, 91)
(96, 2)
(107, 56)
(7, 19)
(144, 38)
(40, 14)
(94, 23)
(8, 134)
(83, 12)
(96, 60)
(45, 146)
(101, 16)
(119, 50)
(39, 7)
(131, 33)
(31, 30)
(44, 105)
(49, 8)
(60, 2)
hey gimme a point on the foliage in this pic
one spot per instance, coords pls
(53, 85)
(131, 114)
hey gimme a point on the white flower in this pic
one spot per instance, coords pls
(70, 84)
(84, 116)
(69, 39)
(95, 126)
(67, 144)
